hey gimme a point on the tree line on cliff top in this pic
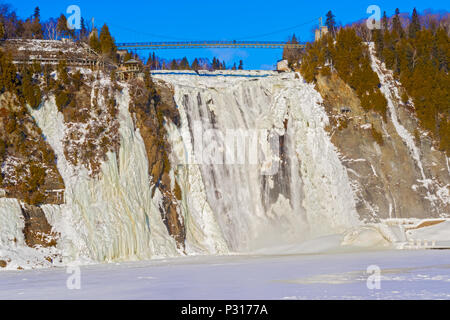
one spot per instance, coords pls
(11, 26)
(415, 48)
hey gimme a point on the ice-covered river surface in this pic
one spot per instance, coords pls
(413, 274)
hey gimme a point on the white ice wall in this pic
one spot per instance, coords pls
(229, 206)
(112, 217)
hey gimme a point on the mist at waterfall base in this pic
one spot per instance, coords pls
(280, 181)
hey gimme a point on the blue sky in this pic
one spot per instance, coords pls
(217, 20)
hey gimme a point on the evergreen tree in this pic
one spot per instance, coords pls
(385, 22)
(127, 56)
(378, 40)
(241, 65)
(107, 45)
(83, 30)
(63, 76)
(30, 92)
(215, 64)
(292, 55)
(195, 66)
(8, 73)
(154, 62)
(2, 31)
(414, 27)
(173, 65)
(36, 26)
(94, 43)
(150, 61)
(184, 64)
(234, 66)
(331, 23)
(397, 25)
(61, 26)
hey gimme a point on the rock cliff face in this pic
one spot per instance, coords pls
(395, 171)
(28, 171)
(110, 176)
(37, 231)
(151, 110)
(28, 163)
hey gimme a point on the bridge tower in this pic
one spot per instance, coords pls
(321, 31)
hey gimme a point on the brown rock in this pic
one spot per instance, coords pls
(384, 173)
(149, 118)
(37, 230)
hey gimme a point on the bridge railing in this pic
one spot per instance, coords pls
(194, 44)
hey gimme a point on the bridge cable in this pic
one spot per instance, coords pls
(278, 31)
(149, 34)
(237, 39)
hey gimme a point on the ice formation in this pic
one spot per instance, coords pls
(284, 185)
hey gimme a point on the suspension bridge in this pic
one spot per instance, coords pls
(237, 44)
(209, 44)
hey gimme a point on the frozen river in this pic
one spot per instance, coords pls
(415, 274)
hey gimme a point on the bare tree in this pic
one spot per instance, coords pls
(51, 31)
(362, 31)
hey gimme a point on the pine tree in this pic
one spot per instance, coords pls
(37, 13)
(150, 61)
(414, 27)
(234, 66)
(385, 22)
(36, 26)
(94, 43)
(63, 76)
(127, 56)
(8, 73)
(107, 44)
(154, 62)
(195, 66)
(184, 64)
(83, 30)
(241, 65)
(331, 23)
(397, 25)
(2, 30)
(216, 65)
(61, 26)
(173, 65)
(378, 40)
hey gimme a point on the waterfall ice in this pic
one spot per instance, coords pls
(309, 193)
(282, 183)
(112, 217)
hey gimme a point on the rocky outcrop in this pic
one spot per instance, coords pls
(37, 230)
(386, 178)
(92, 126)
(28, 170)
(152, 106)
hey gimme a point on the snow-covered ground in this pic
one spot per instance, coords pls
(414, 274)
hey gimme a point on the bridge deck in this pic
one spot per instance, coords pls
(209, 44)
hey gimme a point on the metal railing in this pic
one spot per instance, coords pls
(209, 44)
